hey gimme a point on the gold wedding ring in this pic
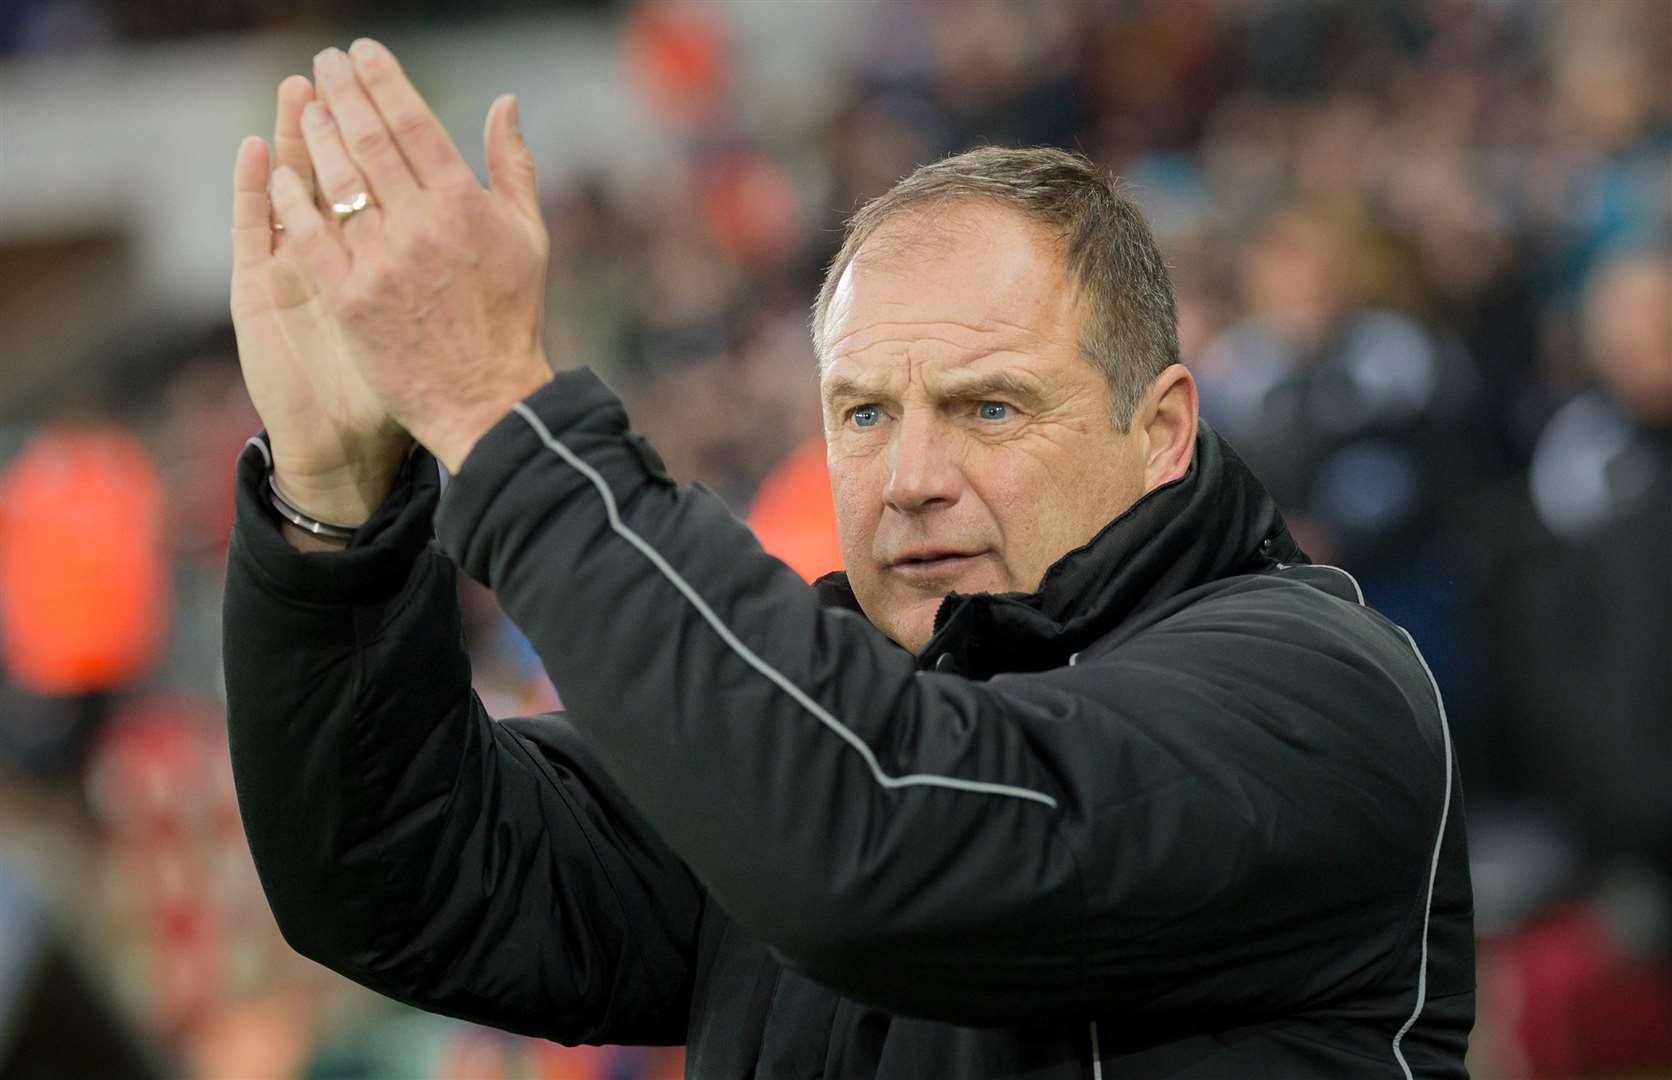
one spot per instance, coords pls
(344, 210)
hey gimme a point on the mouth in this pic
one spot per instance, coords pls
(926, 566)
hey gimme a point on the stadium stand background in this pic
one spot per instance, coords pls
(1422, 257)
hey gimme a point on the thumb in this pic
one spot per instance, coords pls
(510, 162)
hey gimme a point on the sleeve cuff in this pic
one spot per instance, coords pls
(377, 561)
(482, 500)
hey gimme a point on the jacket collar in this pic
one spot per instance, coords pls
(1213, 522)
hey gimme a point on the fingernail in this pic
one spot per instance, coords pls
(363, 48)
(511, 109)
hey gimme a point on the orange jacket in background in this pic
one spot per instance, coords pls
(83, 579)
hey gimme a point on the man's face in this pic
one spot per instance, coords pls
(970, 444)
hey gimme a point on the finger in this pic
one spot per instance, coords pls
(252, 223)
(340, 181)
(364, 134)
(510, 162)
(289, 149)
(423, 141)
(322, 250)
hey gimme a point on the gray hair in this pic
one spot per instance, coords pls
(1131, 327)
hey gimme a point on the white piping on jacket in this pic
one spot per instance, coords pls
(1434, 863)
(1096, 1049)
(1360, 593)
(1439, 840)
(748, 656)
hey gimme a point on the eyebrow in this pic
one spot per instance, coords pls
(993, 384)
(841, 388)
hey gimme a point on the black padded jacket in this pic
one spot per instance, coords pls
(1188, 811)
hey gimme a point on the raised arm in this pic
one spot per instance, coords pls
(481, 869)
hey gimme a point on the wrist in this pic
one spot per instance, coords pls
(452, 437)
(345, 499)
(345, 496)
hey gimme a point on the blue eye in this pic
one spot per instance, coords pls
(865, 416)
(994, 410)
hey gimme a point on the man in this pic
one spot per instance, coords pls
(1079, 771)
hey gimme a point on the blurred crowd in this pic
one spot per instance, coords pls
(1423, 255)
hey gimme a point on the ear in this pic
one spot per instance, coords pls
(1168, 415)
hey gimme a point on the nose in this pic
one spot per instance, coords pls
(923, 467)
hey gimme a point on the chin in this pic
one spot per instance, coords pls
(906, 609)
(903, 605)
(913, 624)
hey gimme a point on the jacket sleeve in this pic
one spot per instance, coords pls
(977, 852)
(481, 869)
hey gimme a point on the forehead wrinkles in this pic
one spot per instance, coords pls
(888, 357)
(906, 335)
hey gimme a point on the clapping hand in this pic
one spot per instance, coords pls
(433, 285)
(336, 449)
(437, 285)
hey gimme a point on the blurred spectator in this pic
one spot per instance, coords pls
(1576, 750)
(84, 605)
(1582, 581)
(1352, 412)
(677, 54)
(82, 577)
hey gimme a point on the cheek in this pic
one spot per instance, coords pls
(1047, 507)
(1022, 499)
(858, 496)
